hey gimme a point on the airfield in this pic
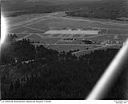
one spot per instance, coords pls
(36, 26)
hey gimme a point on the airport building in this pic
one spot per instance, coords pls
(69, 31)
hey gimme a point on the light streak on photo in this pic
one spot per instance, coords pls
(112, 72)
(3, 30)
(3, 37)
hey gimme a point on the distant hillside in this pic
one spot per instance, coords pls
(39, 6)
(22, 5)
(10, 5)
(109, 9)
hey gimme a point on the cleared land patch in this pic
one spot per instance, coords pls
(69, 23)
(110, 33)
(25, 30)
(61, 23)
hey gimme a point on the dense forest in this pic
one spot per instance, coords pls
(35, 72)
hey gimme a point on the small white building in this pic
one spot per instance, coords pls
(69, 31)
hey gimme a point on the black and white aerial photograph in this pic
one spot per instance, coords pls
(64, 50)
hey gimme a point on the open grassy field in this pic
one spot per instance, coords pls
(23, 17)
(25, 30)
(53, 22)
(111, 37)
(63, 22)
(71, 47)
(37, 26)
